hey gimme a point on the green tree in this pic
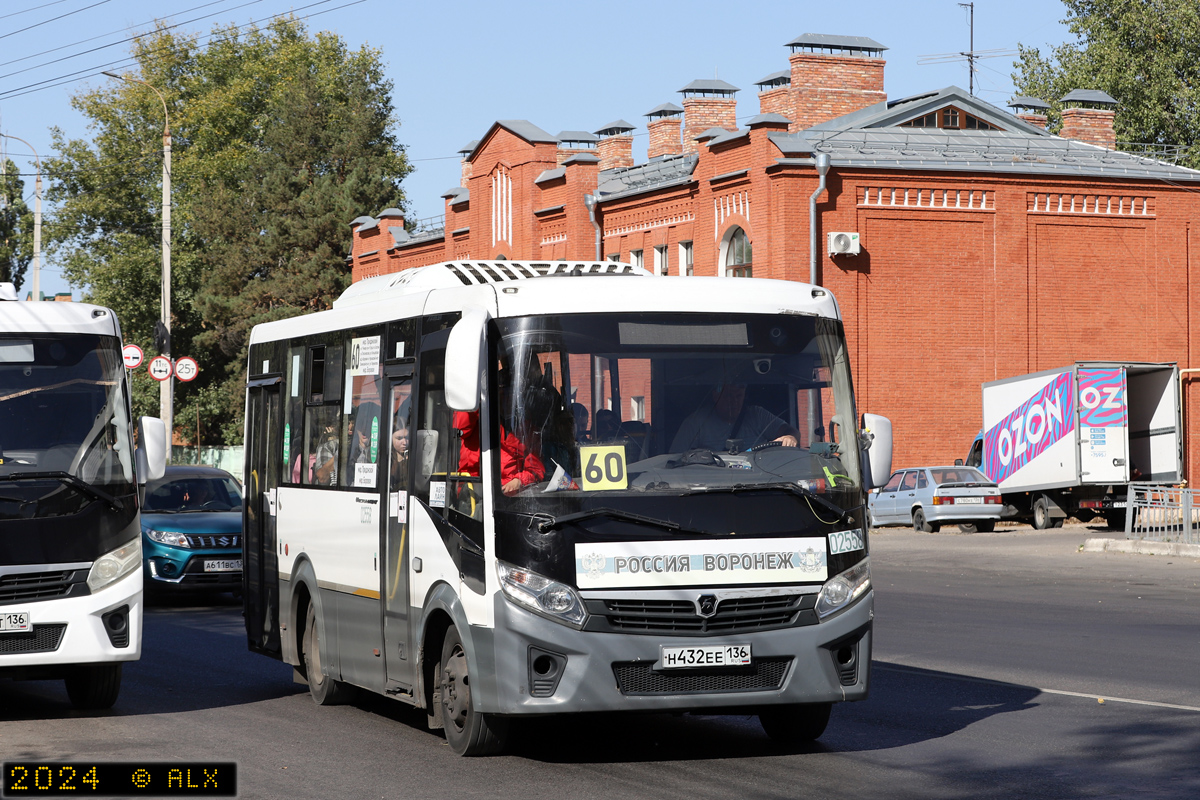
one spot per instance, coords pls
(279, 139)
(16, 226)
(1145, 53)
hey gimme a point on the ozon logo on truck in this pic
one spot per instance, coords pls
(1030, 429)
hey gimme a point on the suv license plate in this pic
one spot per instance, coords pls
(223, 566)
(14, 622)
(712, 655)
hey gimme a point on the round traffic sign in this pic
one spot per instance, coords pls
(160, 368)
(132, 355)
(186, 368)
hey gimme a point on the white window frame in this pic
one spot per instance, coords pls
(662, 265)
(687, 264)
(635, 258)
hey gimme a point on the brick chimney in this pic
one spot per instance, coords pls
(775, 93)
(833, 76)
(1087, 116)
(1030, 109)
(615, 147)
(665, 127)
(707, 104)
(466, 152)
(573, 143)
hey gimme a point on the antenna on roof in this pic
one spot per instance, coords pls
(970, 56)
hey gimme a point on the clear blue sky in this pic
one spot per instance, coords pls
(459, 66)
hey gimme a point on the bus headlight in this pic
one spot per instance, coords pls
(843, 589)
(539, 594)
(113, 566)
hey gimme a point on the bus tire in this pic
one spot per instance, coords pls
(94, 687)
(469, 732)
(325, 691)
(795, 724)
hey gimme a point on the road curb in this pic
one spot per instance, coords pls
(1141, 547)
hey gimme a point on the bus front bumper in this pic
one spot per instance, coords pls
(77, 630)
(535, 666)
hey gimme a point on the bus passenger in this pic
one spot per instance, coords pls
(518, 466)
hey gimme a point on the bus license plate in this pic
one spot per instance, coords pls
(712, 655)
(14, 622)
(223, 566)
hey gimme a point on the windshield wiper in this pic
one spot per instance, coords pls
(737, 488)
(69, 479)
(555, 522)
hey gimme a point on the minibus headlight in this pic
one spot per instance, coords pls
(539, 594)
(843, 589)
(111, 567)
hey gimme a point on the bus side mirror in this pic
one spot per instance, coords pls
(877, 456)
(464, 360)
(152, 449)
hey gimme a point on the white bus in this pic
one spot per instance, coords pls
(500, 489)
(70, 534)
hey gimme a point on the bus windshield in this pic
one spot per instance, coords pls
(64, 424)
(604, 406)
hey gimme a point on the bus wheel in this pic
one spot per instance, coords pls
(325, 691)
(95, 687)
(795, 724)
(469, 732)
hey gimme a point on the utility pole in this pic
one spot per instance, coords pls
(167, 387)
(37, 220)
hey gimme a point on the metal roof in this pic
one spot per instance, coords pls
(1088, 96)
(582, 158)
(577, 137)
(469, 147)
(1028, 102)
(457, 194)
(781, 78)
(723, 136)
(656, 174)
(665, 110)
(710, 86)
(364, 223)
(763, 119)
(390, 212)
(550, 174)
(614, 127)
(821, 41)
(711, 133)
(1012, 152)
(891, 114)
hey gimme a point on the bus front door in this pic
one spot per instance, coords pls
(260, 564)
(399, 658)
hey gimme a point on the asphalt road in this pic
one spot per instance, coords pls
(992, 654)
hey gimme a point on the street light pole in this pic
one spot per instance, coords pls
(167, 387)
(37, 220)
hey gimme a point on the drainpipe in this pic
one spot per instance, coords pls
(1184, 375)
(590, 201)
(822, 162)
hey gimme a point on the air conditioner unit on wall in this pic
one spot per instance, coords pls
(843, 244)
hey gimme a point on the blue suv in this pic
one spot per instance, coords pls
(192, 530)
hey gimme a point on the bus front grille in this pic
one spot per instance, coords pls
(42, 639)
(26, 586)
(733, 615)
(764, 675)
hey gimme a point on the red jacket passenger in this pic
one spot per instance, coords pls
(518, 467)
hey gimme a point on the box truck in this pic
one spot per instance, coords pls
(1067, 442)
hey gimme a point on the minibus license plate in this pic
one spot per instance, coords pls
(712, 655)
(14, 622)
(223, 566)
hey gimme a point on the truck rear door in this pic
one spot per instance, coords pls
(1103, 425)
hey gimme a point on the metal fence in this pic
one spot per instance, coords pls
(1162, 514)
(226, 458)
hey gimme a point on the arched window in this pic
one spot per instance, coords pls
(739, 255)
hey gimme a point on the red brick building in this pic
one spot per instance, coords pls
(986, 247)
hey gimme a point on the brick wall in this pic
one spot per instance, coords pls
(702, 113)
(827, 86)
(1089, 125)
(665, 137)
